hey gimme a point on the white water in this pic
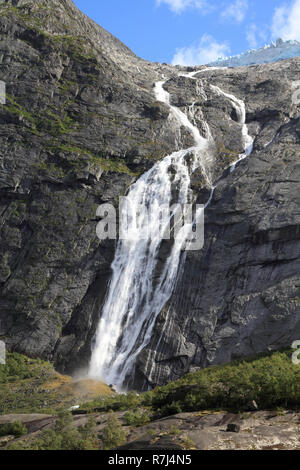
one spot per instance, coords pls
(153, 374)
(206, 69)
(137, 294)
(240, 108)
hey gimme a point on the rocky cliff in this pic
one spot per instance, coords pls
(80, 124)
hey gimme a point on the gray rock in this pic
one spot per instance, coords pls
(232, 427)
(252, 406)
(80, 125)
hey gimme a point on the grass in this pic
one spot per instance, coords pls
(106, 164)
(33, 386)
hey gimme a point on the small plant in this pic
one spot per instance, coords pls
(187, 443)
(174, 431)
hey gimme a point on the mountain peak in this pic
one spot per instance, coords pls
(62, 17)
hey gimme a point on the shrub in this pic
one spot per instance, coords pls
(271, 381)
(63, 437)
(122, 402)
(136, 418)
(169, 409)
(113, 435)
(16, 429)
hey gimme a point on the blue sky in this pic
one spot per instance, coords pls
(194, 31)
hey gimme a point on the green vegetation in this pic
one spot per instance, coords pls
(136, 418)
(174, 431)
(48, 121)
(16, 429)
(54, 120)
(19, 367)
(55, 124)
(122, 402)
(21, 381)
(33, 386)
(63, 437)
(113, 435)
(106, 164)
(272, 381)
(15, 108)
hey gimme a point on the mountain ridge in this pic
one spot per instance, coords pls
(274, 52)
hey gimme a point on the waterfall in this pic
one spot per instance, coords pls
(139, 288)
(240, 108)
(134, 300)
(153, 374)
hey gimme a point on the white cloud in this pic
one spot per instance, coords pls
(180, 5)
(236, 11)
(251, 36)
(256, 36)
(286, 21)
(207, 51)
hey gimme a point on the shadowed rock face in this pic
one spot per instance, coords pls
(80, 124)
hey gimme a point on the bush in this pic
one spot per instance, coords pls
(271, 381)
(136, 418)
(19, 367)
(63, 437)
(16, 429)
(169, 409)
(113, 435)
(122, 402)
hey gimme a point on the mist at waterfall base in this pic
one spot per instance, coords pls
(140, 284)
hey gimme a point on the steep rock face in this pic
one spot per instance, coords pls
(80, 124)
(239, 296)
(76, 131)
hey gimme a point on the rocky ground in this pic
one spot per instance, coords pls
(261, 430)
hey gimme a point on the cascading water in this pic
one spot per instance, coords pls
(134, 300)
(152, 374)
(137, 294)
(240, 108)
